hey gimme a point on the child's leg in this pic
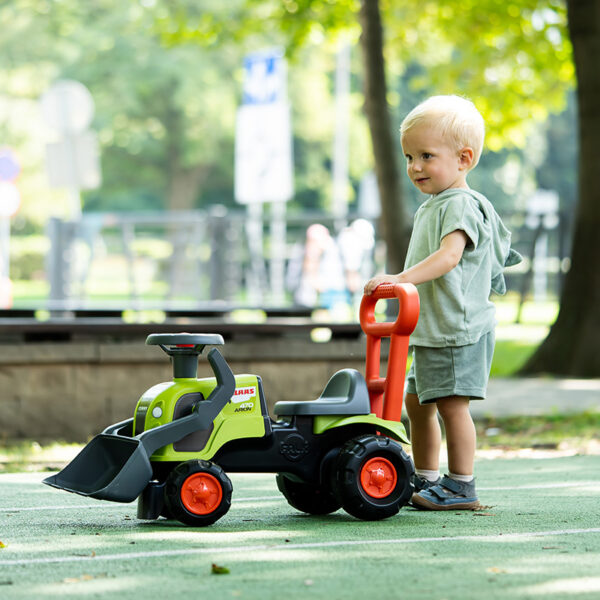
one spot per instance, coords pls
(425, 433)
(456, 490)
(460, 434)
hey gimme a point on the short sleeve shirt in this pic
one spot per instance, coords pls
(455, 308)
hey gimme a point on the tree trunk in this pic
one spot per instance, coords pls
(393, 221)
(573, 345)
(184, 187)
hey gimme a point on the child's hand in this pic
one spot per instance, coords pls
(378, 280)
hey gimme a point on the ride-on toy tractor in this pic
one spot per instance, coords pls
(340, 450)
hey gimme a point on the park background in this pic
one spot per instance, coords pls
(158, 234)
(137, 246)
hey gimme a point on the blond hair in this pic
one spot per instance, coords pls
(456, 119)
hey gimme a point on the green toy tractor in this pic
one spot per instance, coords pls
(341, 450)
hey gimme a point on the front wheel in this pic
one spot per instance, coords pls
(307, 497)
(372, 477)
(198, 493)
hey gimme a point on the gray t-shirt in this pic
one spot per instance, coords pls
(456, 309)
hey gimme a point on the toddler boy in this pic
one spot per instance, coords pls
(456, 256)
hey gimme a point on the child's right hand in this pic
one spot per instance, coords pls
(378, 280)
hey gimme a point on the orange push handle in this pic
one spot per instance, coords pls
(408, 313)
(386, 392)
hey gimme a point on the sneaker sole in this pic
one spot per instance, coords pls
(423, 504)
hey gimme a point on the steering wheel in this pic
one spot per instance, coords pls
(170, 341)
(184, 349)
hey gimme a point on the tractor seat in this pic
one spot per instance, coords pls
(345, 394)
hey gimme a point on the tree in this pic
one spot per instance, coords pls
(573, 343)
(393, 225)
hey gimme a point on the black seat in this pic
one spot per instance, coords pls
(345, 394)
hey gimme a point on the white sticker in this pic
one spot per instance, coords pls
(242, 394)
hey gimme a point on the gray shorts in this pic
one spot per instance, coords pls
(453, 371)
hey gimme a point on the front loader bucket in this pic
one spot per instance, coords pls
(117, 467)
(110, 467)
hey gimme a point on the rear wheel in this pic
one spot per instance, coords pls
(198, 493)
(371, 477)
(307, 497)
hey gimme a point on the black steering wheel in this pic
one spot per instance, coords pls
(184, 349)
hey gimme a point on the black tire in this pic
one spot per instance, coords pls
(198, 493)
(307, 497)
(371, 477)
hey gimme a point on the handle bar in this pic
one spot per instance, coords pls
(408, 313)
(385, 393)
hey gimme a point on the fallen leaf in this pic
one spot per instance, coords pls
(219, 570)
(2, 544)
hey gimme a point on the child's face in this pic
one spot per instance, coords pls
(432, 164)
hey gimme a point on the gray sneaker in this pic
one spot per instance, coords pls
(448, 494)
(420, 483)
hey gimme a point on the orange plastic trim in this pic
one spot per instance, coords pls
(201, 493)
(378, 477)
(386, 393)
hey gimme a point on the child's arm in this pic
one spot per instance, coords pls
(439, 263)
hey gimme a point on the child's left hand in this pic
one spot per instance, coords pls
(378, 280)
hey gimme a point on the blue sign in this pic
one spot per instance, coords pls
(264, 78)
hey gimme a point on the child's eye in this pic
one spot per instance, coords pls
(408, 157)
(427, 156)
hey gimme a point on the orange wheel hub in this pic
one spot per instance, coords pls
(378, 477)
(201, 493)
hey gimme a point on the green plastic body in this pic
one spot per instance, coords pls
(242, 416)
(393, 429)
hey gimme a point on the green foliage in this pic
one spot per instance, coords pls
(513, 59)
(28, 256)
(166, 79)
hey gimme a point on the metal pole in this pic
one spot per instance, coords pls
(278, 251)
(254, 234)
(340, 142)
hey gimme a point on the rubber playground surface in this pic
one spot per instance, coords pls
(537, 536)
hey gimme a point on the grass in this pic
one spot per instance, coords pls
(29, 455)
(548, 431)
(510, 356)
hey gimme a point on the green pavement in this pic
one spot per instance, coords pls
(538, 536)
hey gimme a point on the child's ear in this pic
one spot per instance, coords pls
(465, 158)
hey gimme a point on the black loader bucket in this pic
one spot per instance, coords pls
(110, 467)
(117, 467)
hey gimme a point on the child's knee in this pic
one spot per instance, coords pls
(453, 407)
(417, 411)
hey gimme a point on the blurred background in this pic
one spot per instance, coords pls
(235, 167)
(176, 155)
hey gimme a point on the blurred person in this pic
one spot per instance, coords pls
(315, 272)
(456, 256)
(356, 243)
